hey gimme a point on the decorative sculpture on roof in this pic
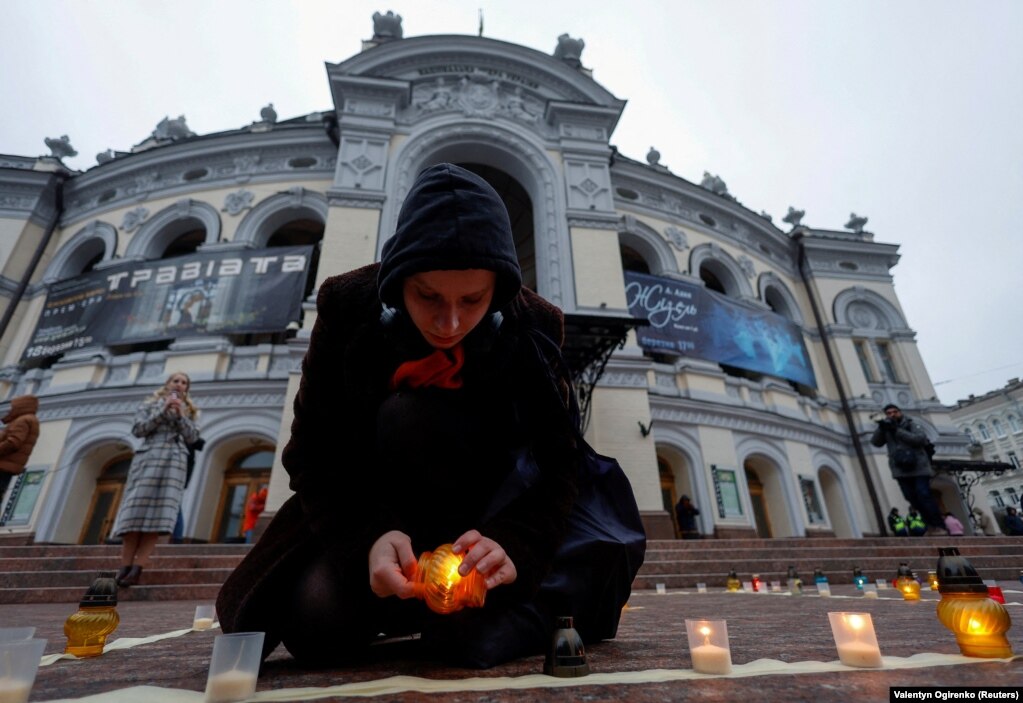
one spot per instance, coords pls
(172, 129)
(856, 223)
(794, 216)
(653, 157)
(268, 114)
(60, 148)
(570, 50)
(715, 185)
(105, 156)
(387, 27)
(767, 216)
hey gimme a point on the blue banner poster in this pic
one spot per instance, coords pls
(689, 320)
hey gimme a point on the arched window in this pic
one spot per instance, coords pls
(632, 260)
(1014, 425)
(997, 426)
(245, 474)
(1010, 496)
(996, 499)
(969, 435)
(984, 434)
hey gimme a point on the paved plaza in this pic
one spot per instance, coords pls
(790, 630)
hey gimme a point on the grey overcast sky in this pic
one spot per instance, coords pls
(909, 112)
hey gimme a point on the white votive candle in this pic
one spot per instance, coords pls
(823, 590)
(661, 589)
(202, 623)
(711, 659)
(775, 586)
(231, 685)
(747, 586)
(701, 588)
(881, 584)
(14, 690)
(859, 654)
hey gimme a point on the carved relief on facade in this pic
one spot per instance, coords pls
(588, 186)
(362, 163)
(238, 201)
(476, 95)
(133, 218)
(676, 237)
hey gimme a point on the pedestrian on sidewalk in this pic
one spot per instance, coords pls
(906, 442)
(986, 523)
(1013, 522)
(954, 527)
(685, 513)
(915, 523)
(897, 524)
(166, 422)
(253, 509)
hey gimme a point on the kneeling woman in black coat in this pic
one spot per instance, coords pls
(421, 390)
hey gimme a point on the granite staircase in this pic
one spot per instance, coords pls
(39, 573)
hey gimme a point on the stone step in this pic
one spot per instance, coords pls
(837, 543)
(83, 579)
(69, 595)
(825, 553)
(112, 563)
(114, 550)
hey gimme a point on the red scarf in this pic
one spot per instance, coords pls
(440, 369)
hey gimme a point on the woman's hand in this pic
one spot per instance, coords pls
(487, 556)
(172, 404)
(391, 565)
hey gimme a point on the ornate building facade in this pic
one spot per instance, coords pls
(993, 422)
(758, 452)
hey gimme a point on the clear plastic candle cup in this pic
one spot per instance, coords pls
(708, 646)
(19, 662)
(15, 634)
(204, 617)
(234, 667)
(855, 639)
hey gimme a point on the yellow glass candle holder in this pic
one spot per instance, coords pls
(733, 584)
(932, 579)
(438, 583)
(979, 623)
(907, 585)
(96, 618)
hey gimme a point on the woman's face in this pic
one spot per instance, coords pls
(178, 382)
(445, 306)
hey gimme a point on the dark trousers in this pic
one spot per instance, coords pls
(917, 490)
(5, 479)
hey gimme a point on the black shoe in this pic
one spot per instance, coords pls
(121, 573)
(132, 577)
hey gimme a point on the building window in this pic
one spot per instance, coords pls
(1014, 460)
(864, 357)
(984, 434)
(1010, 496)
(997, 425)
(887, 363)
(969, 435)
(1014, 425)
(996, 499)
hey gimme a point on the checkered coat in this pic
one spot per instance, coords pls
(156, 479)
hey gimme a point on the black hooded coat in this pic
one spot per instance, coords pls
(364, 460)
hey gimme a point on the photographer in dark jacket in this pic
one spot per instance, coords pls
(910, 466)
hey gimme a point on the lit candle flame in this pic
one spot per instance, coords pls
(856, 622)
(974, 626)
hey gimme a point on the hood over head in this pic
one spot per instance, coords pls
(451, 220)
(22, 405)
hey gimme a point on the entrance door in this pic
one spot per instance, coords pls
(756, 496)
(245, 475)
(668, 492)
(106, 499)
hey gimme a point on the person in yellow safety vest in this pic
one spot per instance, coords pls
(917, 526)
(897, 524)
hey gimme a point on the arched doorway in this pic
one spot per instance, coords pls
(245, 474)
(835, 503)
(668, 498)
(761, 515)
(106, 499)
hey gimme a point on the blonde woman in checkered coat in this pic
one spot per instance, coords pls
(166, 422)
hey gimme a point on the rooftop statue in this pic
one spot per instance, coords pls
(59, 148)
(172, 129)
(855, 223)
(766, 215)
(794, 216)
(268, 114)
(653, 157)
(105, 156)
(570, 50)
(715, 185)
(386, 27)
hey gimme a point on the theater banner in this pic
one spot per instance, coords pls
(689, 320)
(227, 292)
